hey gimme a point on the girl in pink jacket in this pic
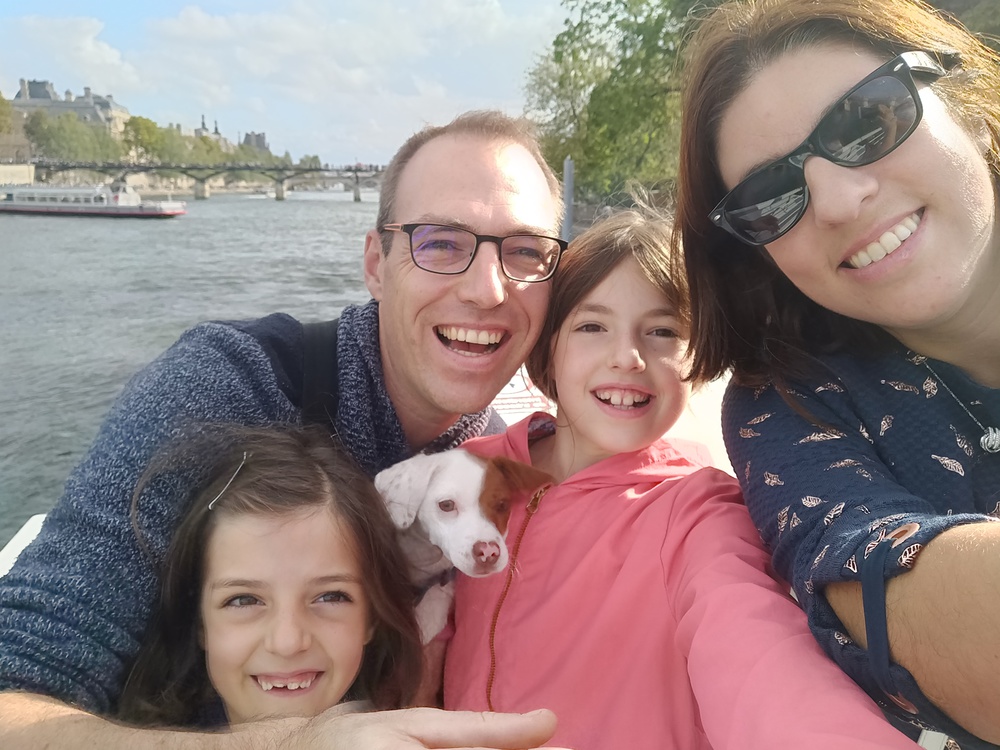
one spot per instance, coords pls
(638, 604)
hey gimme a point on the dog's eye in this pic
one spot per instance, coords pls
(447, 505)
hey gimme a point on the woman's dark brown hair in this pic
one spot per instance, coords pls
(637, 233)
(746, 315)
(286, 469)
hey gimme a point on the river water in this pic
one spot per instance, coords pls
(85, 302)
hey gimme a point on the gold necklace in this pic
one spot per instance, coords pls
(990, 440)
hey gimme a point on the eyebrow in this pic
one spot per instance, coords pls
(458, 224)
(765, 162)
(247, 583)
(594, 308)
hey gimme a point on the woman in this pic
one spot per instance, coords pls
(838, 216)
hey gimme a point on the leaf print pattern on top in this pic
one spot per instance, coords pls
(950, 464)
(930, 387)
(961, 441)
(772, 480)
(819, 437)
(909, 555)
(902, 455)
(901, 386)
(886, 424)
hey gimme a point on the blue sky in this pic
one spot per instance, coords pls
(348, 80)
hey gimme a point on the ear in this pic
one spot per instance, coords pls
(404, 487)
(374, 263)
(521, 476)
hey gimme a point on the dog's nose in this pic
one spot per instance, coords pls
(486, 552)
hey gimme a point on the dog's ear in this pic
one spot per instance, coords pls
(404, 487)
(520, 476)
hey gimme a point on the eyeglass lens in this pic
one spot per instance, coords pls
(449, 250)
(863, 127)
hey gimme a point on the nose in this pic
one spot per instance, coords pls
(486, 553)
(837, 194)
(287, 633)
(484, 283)
(626, 355)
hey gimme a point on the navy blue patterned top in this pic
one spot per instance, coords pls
(892, 458)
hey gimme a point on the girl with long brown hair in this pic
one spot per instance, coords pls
(284, 591)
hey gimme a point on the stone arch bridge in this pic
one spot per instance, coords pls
(284, 177)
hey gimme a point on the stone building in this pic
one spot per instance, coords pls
(90, 108)
(257, 141)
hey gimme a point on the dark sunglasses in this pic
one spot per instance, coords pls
(865, 124)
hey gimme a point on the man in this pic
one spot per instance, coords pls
(452, 317)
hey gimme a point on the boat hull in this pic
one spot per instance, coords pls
(120, 212)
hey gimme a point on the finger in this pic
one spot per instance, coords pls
(469, 729)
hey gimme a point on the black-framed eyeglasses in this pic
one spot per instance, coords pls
(440, 248)
(867, 123)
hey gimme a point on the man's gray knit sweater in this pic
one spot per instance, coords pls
(75, 606)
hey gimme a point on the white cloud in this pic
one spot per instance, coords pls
(72, 44)
(345, 80)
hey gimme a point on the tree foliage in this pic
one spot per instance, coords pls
(980, 16)
(65, 137)
(142, 140)
(607, 92)
(6, 116)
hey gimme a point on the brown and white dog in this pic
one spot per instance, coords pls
(452, 509)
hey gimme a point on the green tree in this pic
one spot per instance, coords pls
(606, 93)
(6, 115)
(980, 16)
(174, 148)
(205, 150)
(66, 138)
(142, 140)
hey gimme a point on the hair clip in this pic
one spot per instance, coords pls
(223, 490)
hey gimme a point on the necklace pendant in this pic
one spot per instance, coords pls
(990, 441)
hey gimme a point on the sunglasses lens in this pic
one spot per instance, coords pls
(767, 204)
(868, 123)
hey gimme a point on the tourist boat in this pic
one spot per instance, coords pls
(116, 199)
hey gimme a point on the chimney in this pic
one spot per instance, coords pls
(25, 94)
(69, 95)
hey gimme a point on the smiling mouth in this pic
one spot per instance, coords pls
(621, 398)
(885, 245)
(469, 340)
(277, 685)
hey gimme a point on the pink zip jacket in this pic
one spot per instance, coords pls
(643, 611)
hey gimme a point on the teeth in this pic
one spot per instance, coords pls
(886, 244)
(622, 398)
(267, 685)
(470, 336)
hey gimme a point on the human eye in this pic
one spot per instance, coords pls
(335, 597)
(442, 249)
(665, 332)
(239, 601)
(589, 328)
(525, 248)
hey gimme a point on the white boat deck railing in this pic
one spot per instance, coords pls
(19, 541)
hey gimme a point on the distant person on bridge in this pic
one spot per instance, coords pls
(458, 268)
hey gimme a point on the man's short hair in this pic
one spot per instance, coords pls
(491, 125)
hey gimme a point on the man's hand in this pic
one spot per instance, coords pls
(420, 728)
(28, 722)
